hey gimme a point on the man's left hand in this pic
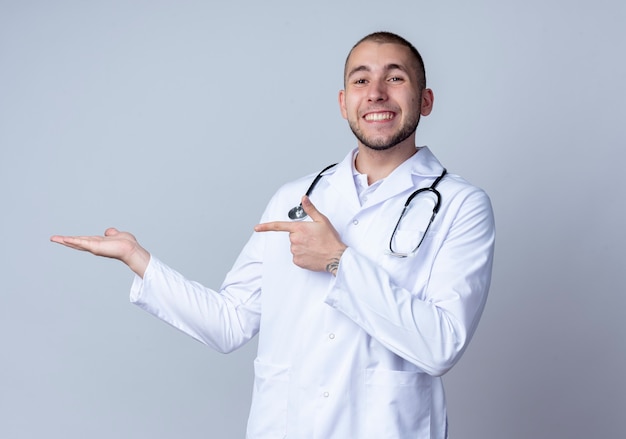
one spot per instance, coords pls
(315, 245)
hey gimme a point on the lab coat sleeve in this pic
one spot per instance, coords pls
(224, 319)
(431, 324)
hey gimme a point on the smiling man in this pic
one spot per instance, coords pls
(363, 306)
(385, 91)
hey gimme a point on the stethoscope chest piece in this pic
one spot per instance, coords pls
(297, 213)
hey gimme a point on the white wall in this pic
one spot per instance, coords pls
(177, 121)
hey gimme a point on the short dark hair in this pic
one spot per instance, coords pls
(389, 37)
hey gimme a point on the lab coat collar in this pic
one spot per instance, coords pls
(421, 165)
(343, 182)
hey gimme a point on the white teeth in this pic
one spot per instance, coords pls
(378, 116)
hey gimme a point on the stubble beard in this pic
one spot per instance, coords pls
(382, 144)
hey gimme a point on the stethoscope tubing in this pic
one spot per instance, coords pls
(298, 213)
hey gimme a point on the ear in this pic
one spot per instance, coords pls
(428, 99)
(342, 104)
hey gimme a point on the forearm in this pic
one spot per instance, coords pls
(221, 320)
(424, 308)
(428, 327)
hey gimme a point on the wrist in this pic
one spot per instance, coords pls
(333, 264)
(138, 261)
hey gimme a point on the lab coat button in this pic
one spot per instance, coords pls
(331, 336)
(326, 394)
(355, 222)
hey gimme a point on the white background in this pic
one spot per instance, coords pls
(177, 120)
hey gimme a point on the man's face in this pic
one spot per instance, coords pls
(382, 100)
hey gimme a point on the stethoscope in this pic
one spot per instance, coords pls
(298, 213)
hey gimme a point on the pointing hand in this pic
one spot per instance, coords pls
(315, 245)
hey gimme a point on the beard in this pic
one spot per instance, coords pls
(384, 143)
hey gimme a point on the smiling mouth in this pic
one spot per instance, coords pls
(384, 115)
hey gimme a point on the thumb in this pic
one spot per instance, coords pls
(111, 231)
(311, 210)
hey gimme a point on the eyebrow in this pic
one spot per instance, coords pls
(387, 68)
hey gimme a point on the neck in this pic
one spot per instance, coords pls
(379, 164)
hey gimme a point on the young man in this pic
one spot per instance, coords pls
(364, 305)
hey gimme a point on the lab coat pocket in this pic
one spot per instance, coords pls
(268, 413)
(398, 404)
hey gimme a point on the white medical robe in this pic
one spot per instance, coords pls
(359, 355)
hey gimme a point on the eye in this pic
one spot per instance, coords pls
(360, 81)
(396, 79)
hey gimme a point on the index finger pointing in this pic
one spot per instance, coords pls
(275, 226)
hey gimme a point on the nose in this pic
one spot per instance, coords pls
(377, 91)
